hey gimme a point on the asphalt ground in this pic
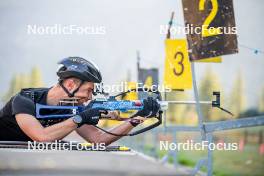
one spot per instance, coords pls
(15, 161)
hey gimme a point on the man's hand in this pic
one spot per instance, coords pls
(151, 108)
(91, 116)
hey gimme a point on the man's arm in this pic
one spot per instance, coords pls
(95, 135)
(31, 127)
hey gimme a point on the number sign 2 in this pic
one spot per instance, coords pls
(212, 30)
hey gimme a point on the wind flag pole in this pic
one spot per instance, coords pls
(138, 61)
(170, 24)
(165, 94)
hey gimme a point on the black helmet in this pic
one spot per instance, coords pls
(79, 68)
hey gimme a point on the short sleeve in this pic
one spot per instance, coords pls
(21, 104)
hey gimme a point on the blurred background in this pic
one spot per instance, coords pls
(30, 60)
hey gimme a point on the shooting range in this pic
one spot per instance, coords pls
(205, 58)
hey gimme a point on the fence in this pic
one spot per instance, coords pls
(206, 130)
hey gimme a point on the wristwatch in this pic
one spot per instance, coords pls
(77, 119)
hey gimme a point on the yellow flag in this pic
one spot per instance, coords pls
(213, 59)
(131, 95)
(149, 82)
(177, 74)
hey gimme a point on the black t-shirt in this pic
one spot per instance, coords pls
(9, 129)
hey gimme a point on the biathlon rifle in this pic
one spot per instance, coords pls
(105, 104)
(112, 104)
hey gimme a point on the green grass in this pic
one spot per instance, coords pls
(225, 163)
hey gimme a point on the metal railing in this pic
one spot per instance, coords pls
(206, 130)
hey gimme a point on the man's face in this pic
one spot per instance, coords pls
(85, 92)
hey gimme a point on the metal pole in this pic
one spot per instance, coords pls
(198, 107)
(209, 137)
(188, 102)
(165, 114)
(175, 153)
(165, 105)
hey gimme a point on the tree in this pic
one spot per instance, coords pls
(36, 78)
(176, 112)
(237, 96)
(10, 91)
(14, 87)
(17, 84)
(20, 81)
(24, 81)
